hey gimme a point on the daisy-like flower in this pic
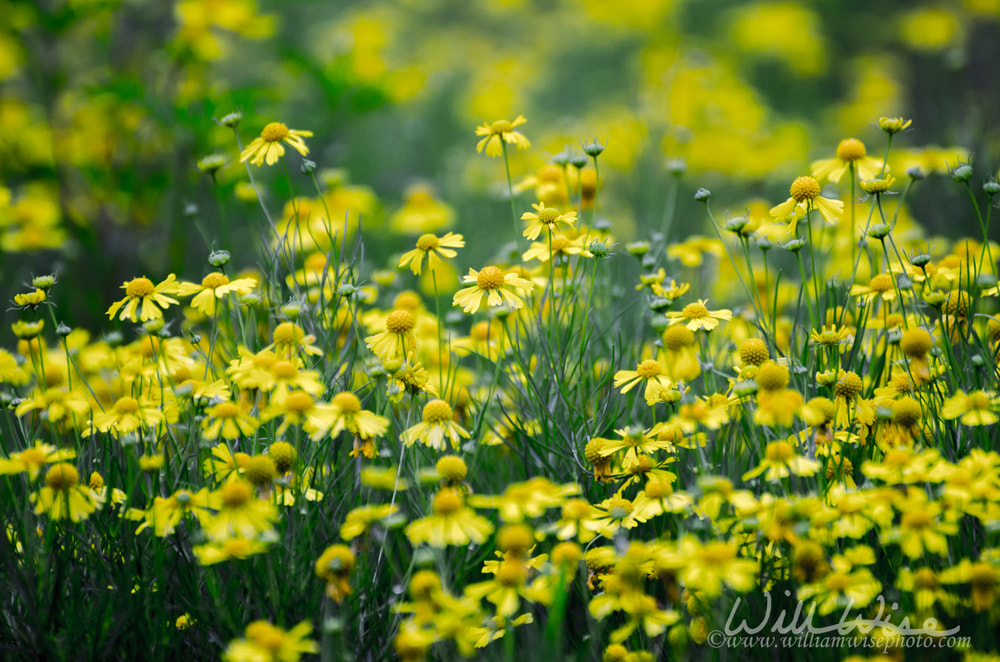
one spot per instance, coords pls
(850, 151)
(31, 460)
(650, 373)
(805, 195)
(144, 301)
(921, 531)
(267, 148)
(229, 420)
(500, 132)
(241, 514)
(780, 461)
(545, 218)
(710, 565)
(697, 316)
(491, 282)
(504, 589)
(562, 247)
(214, 286)
(63, 496)
(335, 565)
(882, 286)
(845, 585)
(976, 408)
(267, 643)
(397, 341)
(437, 426)
(290, 341)
(434, 248)
(451, 523)
(128, 415)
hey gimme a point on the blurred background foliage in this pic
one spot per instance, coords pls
(107, 106)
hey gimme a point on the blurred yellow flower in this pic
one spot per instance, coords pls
(267, 148)
(500, 132)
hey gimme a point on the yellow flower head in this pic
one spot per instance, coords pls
(267, 148)
(498, 134)
(494, 284)
(144, 301)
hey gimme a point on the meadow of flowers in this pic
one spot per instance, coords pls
(372, 350)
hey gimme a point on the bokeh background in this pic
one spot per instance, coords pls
(106, 108)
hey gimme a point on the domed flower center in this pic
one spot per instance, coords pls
(260, 470)
(851, 149)
(266, 636)
(982, 576)
(399, 322)
(837, 582)
(427, 242)
(33, 457)
(916, 519)
(511, 573)
(490, 278)
(62, 476)
(772, 377)
(619, 508)
(906, 412)
(925, 579)
(717, 553)
(214, 280)
(978, 400)
(236, 493)
(274, 132)
(677, 337)
(437, 411)
(347, 403)
(548, 215)
(804, 188)
(848, 386)
(299, 403)
(226, 410)
(283, 454)
(648, 369)
(182, 498)
(284, 369)
(287, 333)
(263, 361)
(779, 451)
(237, 547)
(451, 468)
(501, 126)
(897, 458)
(881, 283)
(447, 502)
(139, 287)
(753, 351)
(695, 311)
(560, 244)
(127, 405)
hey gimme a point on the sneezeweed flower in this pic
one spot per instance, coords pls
(228, 420)
(437, 426)
(144, 301)
(397, 341)
(893, 125)
(710, 565)
(976, 408)
(359, 521)
(128, 415)
(561, 248)
(496, 286)
(334, 566)
(435, 249)
(166, 512)
(348, 415)
(983, 577)
(805, 196)
(843, 587)
(500, 132)
(241, 514)
(650, 373)
(545, 218)
(213, 287)
(697, 316)
(881, 286)
(878, 186)
(264, 642)
(229, 549)
(290, 341)
(850, 152)
(781, 460)
(921, 531)
(63, 497)
(526, 500)
(267, 147)
(32, 460)
(30, 300)
(450, 523)
(613, 514)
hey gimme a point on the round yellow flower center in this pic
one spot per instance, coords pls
(906, 411)
(717, 553)
(804, 188)
(916, 519)
(437, 411)
(978, 400)
(772, 377)
(283, 454)
(424, 584)
(694, 311)
(452, 468)
(274, 132)
(96, 481)
(515, 538)
(214, 280)
(447, 502)
(501, 126)
(511, 573)
(33, 457)
(779, 451)
(648, 369)
(263, 361)
(548, 215)
(399, 322)
(62, 476)
(407, 301)
(226, 410)
(924, 578)
(837, 582)
(848, 386)
(127, 405)
(576, 509)
(286, 333)
(560, 244)
(824, 406)
(298, 402)
(266, 635)
(915, 343)
(238, 547)
(619, 508)
(260, 470)
(139, 287)
(237, 493)
(897, 458)
(655, 489)
(753, 351)
(881, 283)
(982, 576)
(490, 278)
(284, 369)
(427, 242)
(851, 149)
(347, 402)
(566, 554)
(677, 337)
